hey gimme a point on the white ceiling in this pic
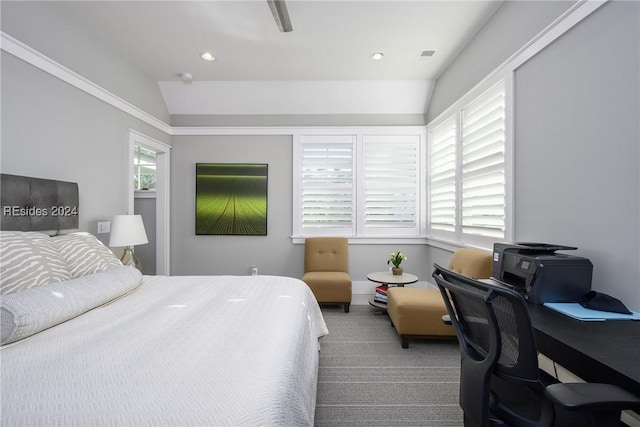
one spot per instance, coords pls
(331, 41)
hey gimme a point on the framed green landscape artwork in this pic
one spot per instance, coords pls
(231, 199)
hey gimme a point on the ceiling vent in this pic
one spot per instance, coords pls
(425, 55)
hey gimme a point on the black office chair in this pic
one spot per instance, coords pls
(500, 384)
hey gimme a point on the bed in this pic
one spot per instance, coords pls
(87, 341)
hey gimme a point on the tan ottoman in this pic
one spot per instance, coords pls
(417, 313)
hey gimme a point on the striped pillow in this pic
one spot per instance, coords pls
(84, 253)
(29, 259)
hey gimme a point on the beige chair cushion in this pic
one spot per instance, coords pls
(326, 254)
(418, 312)
(329, 286)
(471, 263)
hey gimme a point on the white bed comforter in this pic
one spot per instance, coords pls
(217, 350)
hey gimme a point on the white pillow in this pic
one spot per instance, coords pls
(29, 259)
(84, 253)
(30, 311)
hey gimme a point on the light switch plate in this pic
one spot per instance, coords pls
(104, 227)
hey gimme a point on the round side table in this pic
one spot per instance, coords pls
(388, 278)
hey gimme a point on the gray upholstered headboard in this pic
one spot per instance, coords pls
(34, 204)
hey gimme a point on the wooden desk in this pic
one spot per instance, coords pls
(605, 352)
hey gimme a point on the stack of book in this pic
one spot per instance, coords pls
(381, 294)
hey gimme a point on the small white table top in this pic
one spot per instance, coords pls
(388, 278)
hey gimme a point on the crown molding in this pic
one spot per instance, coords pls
(293, 130)
(31, 56)
(580, 10)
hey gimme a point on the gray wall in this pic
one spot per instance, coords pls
(510, 28)
(577, 143)
(191, 254)
(146, 207)
(272, 254)
(48, 27)
(55, 131)
(51, 130)
(578, 146)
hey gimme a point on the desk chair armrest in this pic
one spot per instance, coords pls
(581, 396)
(446, 319)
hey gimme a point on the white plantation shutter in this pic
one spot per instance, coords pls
(327, 184)
(483, 165)
(359, 184)
(390, 193)
(468, 172)
(442, 177)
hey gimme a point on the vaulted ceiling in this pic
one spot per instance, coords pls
(328, 50)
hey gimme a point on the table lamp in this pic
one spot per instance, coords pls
(128, 231)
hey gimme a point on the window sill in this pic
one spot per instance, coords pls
(144, 194)
(454, 246)
(298, 240)
(429, 241)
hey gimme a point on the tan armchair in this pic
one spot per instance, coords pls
(417, 313)
(326, 270)
(473, 263)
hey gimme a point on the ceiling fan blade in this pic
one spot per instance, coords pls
(281, 15)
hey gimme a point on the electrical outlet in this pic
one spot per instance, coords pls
(104, 227)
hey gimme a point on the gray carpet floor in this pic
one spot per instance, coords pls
(366, 378)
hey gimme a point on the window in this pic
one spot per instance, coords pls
(358, 185)
(144, 168)
(467, 172)
(390, 185)
(327, 184)
(442, 177)
(483, 165)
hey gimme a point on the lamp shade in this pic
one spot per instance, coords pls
(127, 230)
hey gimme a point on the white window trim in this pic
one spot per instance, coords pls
(456, 237)
(144, 194)
(381, 233)
(343, 138)
(162, 195)
(420, 237)
(506, 71)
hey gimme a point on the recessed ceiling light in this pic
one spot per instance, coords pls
(208, 56)
(376, 56)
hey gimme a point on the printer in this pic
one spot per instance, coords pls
(539, 273)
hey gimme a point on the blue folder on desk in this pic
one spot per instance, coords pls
(577, 311)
